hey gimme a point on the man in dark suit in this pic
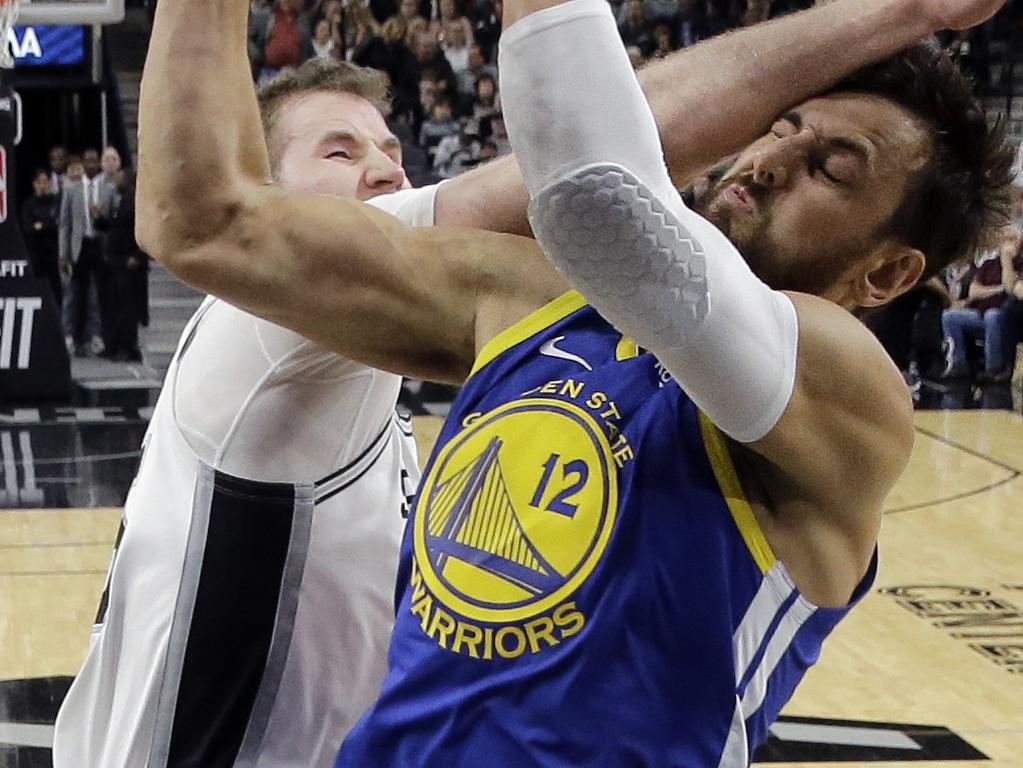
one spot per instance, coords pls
(39, 225)
(127, 265)
(81, 256)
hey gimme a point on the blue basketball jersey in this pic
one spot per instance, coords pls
(582, 581)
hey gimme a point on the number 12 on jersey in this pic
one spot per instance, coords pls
(574, 475)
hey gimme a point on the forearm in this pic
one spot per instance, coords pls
(359, 281)
(712, 100)
(200, 136)
(607, 215)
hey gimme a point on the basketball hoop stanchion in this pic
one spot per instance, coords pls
(34, 362)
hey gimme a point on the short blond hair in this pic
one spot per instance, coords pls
(319, 76)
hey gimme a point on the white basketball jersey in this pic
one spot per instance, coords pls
(251, 595)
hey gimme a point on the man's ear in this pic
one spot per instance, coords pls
(896, 270)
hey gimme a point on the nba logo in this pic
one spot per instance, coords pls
(3, 184)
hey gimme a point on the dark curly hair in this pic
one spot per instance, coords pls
(960, 200)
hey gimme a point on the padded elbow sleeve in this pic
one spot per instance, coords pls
(607, 215)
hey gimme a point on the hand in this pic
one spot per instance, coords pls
(959, 304)
(37, 225)
(94, 211)
(958, 14)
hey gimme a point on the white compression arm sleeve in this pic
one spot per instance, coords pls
(608, 216)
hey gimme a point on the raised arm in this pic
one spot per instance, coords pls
(336, 271)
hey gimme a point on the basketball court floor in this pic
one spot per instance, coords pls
(929, 668)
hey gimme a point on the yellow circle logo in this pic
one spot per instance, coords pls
(517, 511)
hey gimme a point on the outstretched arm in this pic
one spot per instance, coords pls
(337, 271)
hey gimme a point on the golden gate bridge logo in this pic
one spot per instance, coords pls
(472, 518)
(516, 511)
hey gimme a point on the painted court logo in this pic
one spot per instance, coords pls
(513, 518)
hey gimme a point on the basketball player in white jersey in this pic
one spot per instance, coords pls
(250, 599)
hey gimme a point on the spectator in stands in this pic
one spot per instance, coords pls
(486, 26)
(110, 166)
(909, 328)
(39, 217)
(458, 152)
(414, 26)
(664, 40)
(1017, 171)
(478, 67)
(429, 90)
(102, 195)
(485, 104)
(260, 12)
(80, 253)
(325, 43)
(691, 22)
(395, 33)
(409, 10)
(488, 151)
(75, 171)
(58, 170)
(450, 19)
(440, 124)
(365, 46)
(498, 134)
(1013, 308)
(455, 46)
(635, 29)
(982, 313)
(427, 57)
(126, 263)
(285, 39)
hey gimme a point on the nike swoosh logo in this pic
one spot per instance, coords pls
(550, 349)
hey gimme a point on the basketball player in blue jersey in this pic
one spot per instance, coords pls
(655, 498)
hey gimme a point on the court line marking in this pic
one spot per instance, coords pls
(85, 459)
(26, 735)
(966, 449)
(58, 545)
(939, 438)
(847, 735)
(53, 573)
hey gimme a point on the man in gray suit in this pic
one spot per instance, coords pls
(81, 257)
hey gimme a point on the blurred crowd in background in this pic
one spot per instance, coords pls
(440, 57)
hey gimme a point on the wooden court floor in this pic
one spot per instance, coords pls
(938, 642)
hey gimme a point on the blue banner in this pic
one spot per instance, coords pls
(47, 45)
